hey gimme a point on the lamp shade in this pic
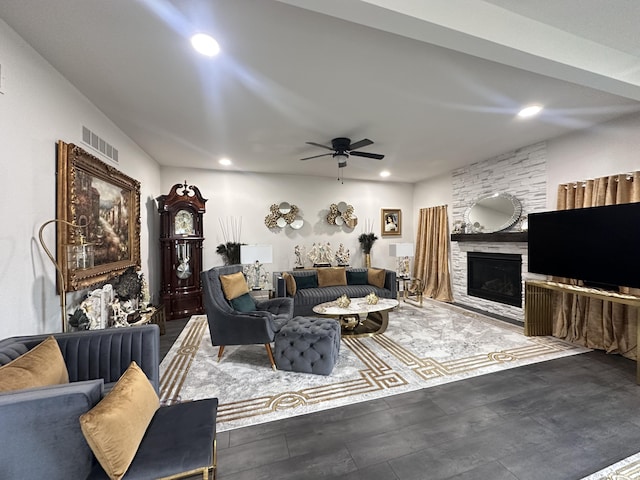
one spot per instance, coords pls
(256, 253)
(401, 250)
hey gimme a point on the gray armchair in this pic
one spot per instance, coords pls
(230, 327)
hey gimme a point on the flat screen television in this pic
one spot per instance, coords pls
(598, 245)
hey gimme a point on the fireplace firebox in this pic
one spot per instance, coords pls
(495, 276)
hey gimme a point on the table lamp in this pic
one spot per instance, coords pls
(402, 251)
(256, 255)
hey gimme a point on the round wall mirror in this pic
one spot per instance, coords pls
(284, 207)
(492, 213)
(297, 223)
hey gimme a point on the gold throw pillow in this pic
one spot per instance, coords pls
(233, 285)
(115, 426)
(375, 277)
(290, 282)
(41, 366)
(329, 277)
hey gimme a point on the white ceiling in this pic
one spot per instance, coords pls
(435, 84)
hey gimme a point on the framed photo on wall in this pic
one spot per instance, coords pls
(391, 221)
(96, 195)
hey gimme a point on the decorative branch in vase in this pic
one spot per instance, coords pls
(230, 249)
(366, 242)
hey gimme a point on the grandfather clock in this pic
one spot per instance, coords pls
(181, 250)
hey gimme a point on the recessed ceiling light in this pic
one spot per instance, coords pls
(530, 111)
(385, 173)
(205, 44)
(224, 161)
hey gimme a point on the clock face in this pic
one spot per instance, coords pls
(183, 223)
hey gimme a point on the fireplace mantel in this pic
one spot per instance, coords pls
(490, 237)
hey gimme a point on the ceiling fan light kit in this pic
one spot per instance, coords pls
(343, 148)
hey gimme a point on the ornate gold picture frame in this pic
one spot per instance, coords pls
(391, 222)
(96, 195)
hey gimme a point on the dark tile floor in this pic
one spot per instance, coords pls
(557, 420)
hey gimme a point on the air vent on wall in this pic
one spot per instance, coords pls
(97, 143)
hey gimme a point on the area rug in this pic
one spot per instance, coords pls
(421, 348)
(627, 469)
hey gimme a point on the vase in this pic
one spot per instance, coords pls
(367, 260)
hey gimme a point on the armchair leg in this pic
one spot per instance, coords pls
(220, 352)
(270, 353)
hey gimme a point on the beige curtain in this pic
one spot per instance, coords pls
(586, 321)
(432, 253)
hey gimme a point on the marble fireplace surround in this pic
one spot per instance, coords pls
(513, 245)
(521, 173)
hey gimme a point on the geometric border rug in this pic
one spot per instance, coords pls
(422, 347)
(627, 469)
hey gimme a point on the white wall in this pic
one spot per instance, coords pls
(432, 193)
(38, 107)
(249, 196)
(606, 149)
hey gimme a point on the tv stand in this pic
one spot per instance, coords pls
(538, 315)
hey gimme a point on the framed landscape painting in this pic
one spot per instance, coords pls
(391, 221)
(97, 196)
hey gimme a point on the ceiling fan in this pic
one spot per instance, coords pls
(343, 148)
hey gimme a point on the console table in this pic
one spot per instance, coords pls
(538, 314)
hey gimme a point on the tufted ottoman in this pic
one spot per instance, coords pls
(308, 345)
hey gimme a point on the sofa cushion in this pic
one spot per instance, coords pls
(306, 281)
(115, 426)
(290, 282)
(330, 277)
(357, 278)
(375, 277)
(244, 303)
(234, 285)
(41, 366)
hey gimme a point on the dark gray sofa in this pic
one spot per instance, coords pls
(98, 354)
(306, 298)
(43, 434)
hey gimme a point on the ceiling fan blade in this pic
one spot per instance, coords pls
(319, 145)
(316, 156)
(377, 156)
(360, 144)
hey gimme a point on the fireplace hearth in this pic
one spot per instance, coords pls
(495, 276)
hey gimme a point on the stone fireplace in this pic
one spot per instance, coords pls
(495, 276)
(521, 173)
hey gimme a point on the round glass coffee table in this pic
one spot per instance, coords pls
(359, 319)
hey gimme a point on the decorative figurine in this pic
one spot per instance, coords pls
(343, 301)
(342, 256)
(372, 298)
(314, 254)
(299, 253)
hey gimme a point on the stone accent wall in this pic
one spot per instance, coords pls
(522, 173)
